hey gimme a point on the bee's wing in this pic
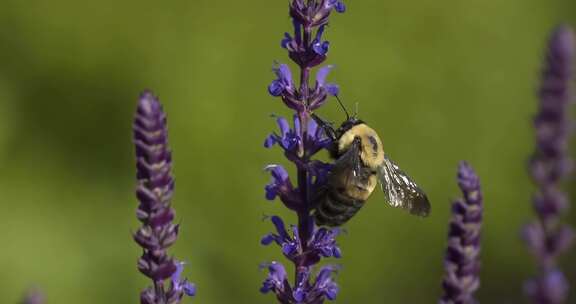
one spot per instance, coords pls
(349, 165)
(401, 191)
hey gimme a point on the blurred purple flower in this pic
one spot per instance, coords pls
(547, 237)
(549, 287)
(154, 191)
(34, 296)
(182, 285)
(462, 261)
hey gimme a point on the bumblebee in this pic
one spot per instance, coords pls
(359, 165)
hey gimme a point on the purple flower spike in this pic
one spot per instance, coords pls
(303, 244)
(547, 237)
(462, 261)
(154, 191)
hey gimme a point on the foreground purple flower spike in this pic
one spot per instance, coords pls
(462, 262)
(303, 244)
(547, 237)
(154, 191)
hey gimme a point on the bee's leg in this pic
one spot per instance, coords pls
(326, 126)
(330, 133)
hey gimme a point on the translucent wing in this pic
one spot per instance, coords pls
(348, 166)
(401, 191)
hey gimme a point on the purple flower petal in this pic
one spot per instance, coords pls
(270, 141)
(299, 292)
(276, 88)
(283, 125)
(340, 7)
(297, 127)
(312, 129)
(189, 289)
(284, 74)
(280, 181)
(289, 248)
(283, 81)
(180, 285)
(278, 172)
(288, 139)
(275, 279)
(297, 30)
(280, 227)
(267, 239)
(324, 284)
(320, 48)
(329, 4)
(287, 39)
(332, 89)
(322, 74)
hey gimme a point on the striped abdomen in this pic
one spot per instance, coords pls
(342, 199)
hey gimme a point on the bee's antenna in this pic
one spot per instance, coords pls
(356, 110)
(342, 106)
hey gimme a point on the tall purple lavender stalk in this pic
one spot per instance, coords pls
(462, 261)
(305, 244)
(547, 237)
(154, 191)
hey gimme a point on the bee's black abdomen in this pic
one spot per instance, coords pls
(335, 209)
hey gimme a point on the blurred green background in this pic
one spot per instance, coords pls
(440, 80)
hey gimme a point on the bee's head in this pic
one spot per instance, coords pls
(349, 123)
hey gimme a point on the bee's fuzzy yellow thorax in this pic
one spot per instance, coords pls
(372, 152)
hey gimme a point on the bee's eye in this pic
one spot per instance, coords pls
(374, 143)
